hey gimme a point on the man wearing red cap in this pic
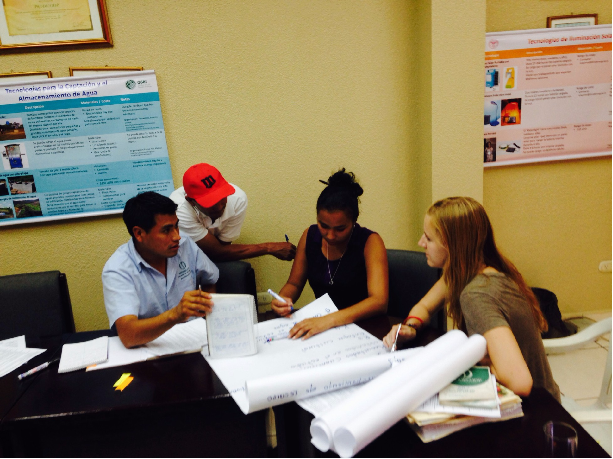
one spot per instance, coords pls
(211, 211)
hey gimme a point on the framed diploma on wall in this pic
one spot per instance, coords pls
(26, 24)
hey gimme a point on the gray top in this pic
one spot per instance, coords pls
(493, 300)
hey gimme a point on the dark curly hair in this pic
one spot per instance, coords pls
(342, 193)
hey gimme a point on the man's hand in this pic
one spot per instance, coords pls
(194, 303)
(310, 327)
(406, 333)
(282, 250)
(283, 309)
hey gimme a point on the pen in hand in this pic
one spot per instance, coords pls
(286, 238)
(37, 369)
(282, 300)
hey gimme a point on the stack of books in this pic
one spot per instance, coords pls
(473, 398)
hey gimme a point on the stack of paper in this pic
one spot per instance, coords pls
(14, 353)
(434, 420)
(77, 356)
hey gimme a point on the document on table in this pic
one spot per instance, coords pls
(77, 356)
(14, 353)
(182, 338)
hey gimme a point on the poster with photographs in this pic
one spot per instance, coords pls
(80, 146)
(547, 95)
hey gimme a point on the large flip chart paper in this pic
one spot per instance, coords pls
(278, 356)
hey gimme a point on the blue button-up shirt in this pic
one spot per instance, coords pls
(133, 287)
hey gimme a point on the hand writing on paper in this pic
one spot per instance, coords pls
(194, 303)
(406, 333)
(283, 309)
(310, 327)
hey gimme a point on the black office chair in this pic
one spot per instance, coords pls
(236, 277)
(410, 278)
(35, 305)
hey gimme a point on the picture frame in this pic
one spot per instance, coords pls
(24, 77)
(98, 71)
(34, 25)
(572, 20)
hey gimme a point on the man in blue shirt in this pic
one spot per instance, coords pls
(151, 282)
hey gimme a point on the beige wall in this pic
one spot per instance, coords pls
(553, 219)
(278, 94)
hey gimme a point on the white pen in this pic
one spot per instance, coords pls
(396, 339)
(37, 369)
(282, 300)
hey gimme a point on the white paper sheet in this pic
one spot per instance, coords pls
(120, 355)
(12, 358)
(324, 426)
(230, 326)
(77, 356)
(19, 342)
(183, 337)
(286, 355)
(355, 434)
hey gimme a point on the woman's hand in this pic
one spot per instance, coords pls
(406, 333)
(310, 327)
(283, 309)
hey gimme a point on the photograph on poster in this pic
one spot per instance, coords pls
(492, 79)
(6, 211)
(489, 149)
(4, 189)
(22, 184)
(11, 129)
(509, 77)
(14, 156)
(491, 112)
(25, 208)
(510, 111)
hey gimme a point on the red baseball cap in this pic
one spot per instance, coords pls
(206, 185)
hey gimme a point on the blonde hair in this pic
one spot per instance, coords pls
(465, 230)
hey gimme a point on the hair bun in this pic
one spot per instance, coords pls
(346, 180)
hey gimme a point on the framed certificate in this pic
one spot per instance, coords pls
(98, 71)
(23, 77)
(572, 20)
(26, 24)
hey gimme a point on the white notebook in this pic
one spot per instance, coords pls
(230, 327)
(80, 355)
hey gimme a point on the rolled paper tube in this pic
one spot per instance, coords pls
(368, 425)
(323, 427)
(275, 390)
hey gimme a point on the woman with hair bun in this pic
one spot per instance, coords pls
(339, 257)
(484, 293)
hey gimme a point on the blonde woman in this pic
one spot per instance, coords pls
(484, 293)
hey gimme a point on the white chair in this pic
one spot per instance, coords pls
(598, 411)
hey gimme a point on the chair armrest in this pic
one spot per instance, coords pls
(570, 343)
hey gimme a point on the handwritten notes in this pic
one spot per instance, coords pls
(279, 357)
(230, 326)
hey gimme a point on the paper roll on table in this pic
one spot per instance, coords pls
(379, 404)
(275, 390)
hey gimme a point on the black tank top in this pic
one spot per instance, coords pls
(349, 273)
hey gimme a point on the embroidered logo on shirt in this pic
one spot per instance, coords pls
(184, 270)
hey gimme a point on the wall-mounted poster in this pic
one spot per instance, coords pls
(547, 95)
(80, 146)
